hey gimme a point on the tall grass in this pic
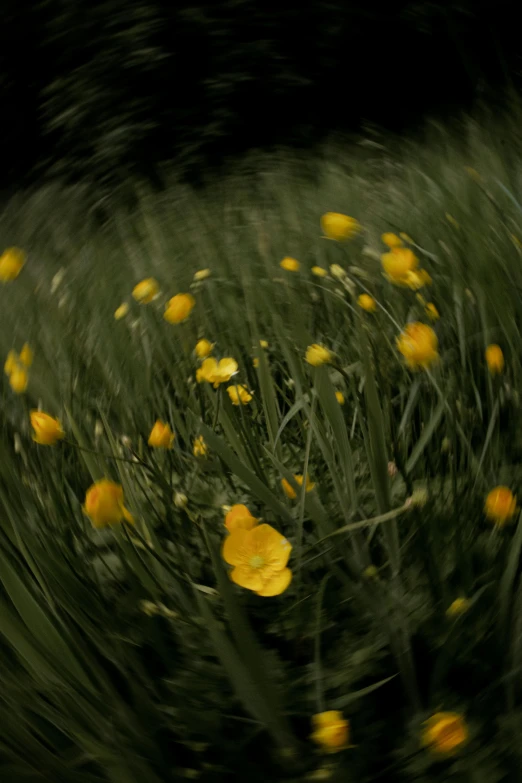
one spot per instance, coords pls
(127, 654)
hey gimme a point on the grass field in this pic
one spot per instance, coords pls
(174, 647)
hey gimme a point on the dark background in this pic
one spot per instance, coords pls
(107, 89)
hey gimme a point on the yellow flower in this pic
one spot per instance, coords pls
(104, 504)
(500, 505)
(216, 372)
(121, 311)
(339, 227)
(11, 362)
(290, 264)
(337, 271)
(47, 429)
(432, 312)
(145, 291)
(161, 436)
(419, 345)
(398, 263)
(391, 240)
(367, 302)
(445, 732)
(458, 607)
(331, 731)
(339, 396)
(199, 447)
(417, 279)
(318, 271)
(202, 274)
(26, 355)
(316, 355)
(290, 491)
(18, 380)
(255, 362)
(239, 394)
(494, 359)
(203, 348)
(263, 344)
(259, 557)
(240, 518)
(179, 308)
(11, 263)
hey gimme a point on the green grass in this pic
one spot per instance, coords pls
(208, 680)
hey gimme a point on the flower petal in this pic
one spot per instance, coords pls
(248, 577)
(272, 545)
(277, 584)
(237, 547)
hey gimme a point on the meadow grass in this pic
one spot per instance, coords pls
(128, 654)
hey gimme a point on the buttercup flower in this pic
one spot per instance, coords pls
(26, 355)
(316, 355)
(391, 240)
(239, 394)
(263, 344)
(339, 227)
(318, 271)
(337, 271)
(216, 372)
(104, 504)
(199, 447)
(203, 348)
(240, 518)
(145, 291)
(11, 263)
(259, 557)
(419, 345)
(458, 607)
(121, 311)
(202, 275)
(500, 506)
(331, 731)
(47, 429)
(432, 312)
(445, 732)
(290, 491)
(494, 359)
(339, 396)
(11, 362)
(367, 302)
(179, 308)
(290, 264)
(417, 279)
(161, 436)
(18, 380)
(255, 362)
(398, 263)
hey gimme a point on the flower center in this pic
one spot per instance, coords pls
(256, 561)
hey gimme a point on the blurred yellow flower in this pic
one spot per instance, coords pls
(419, 345)
(500, 506)
(239, 394)
(202, 275)
(259, 557)
(339, 227)
(11, 362)
(316, 355)
(398, 263)
(337, 271)
(339, 396)
(417, 279)
(432, 312)
(331, 731)
(263, 344)
(318, 271)
(391, 240)
(367, 302)
(445, 732)
(290, 491)
(179, 308)
(104, 504)
(290, 264)
(494, 359)
(255, 362)
(458, 607)
(26, 355)
(216, 372)
(11, 263)
(240, 518)
(145, 291)
(121, 311)
(18, 380)
(203, 348)
(47, 429)
(161, 436)
(199, 447)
